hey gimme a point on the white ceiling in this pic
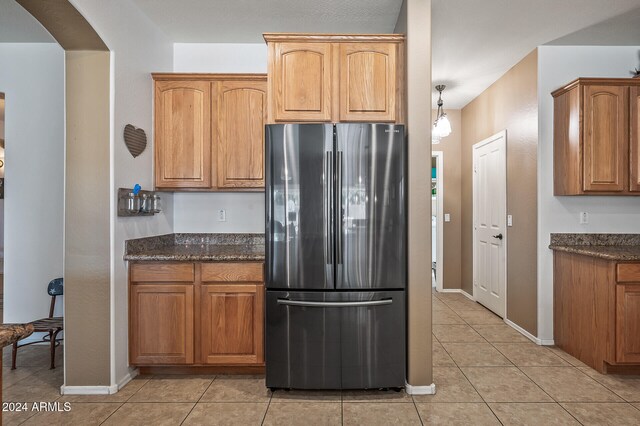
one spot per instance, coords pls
(244, 21)
(622, 30)
(18, 26)
(476, 42)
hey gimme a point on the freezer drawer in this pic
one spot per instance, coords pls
(335, 340)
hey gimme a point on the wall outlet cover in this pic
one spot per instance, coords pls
(584, 218)
(222, 215)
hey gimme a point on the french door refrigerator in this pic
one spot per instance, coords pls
(335, 256)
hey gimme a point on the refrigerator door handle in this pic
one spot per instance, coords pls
(340, 210)
(328, 207)
(334, 304)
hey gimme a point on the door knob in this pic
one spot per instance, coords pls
(499, 236)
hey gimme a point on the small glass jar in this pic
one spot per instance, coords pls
(145, 203)
(132, 203)
(156, 205)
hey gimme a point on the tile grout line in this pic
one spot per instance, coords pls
(519, 369)
(125, 401)
(493, 346)
(264, 416)
(199, 399)
(474, 388)
(545, 392)
(417, 411)
(604, 385)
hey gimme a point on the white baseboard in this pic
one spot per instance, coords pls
(126, 379)
(99, 390)
(525, 333)
(88, 390)
(457, 290)
(420, 390)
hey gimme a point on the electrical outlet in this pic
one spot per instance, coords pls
(447, 217)
(509, 220)
(584, 218)
(222, 215)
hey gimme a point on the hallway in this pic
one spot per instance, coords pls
(484, 369)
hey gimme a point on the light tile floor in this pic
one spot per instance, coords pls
(485, 373)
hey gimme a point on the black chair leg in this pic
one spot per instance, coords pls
(14, 352)
(52, 336)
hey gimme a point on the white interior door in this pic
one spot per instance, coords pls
(489, 222)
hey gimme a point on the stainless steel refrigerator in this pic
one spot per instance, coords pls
(335, 256)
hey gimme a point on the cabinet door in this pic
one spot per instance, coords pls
(628, 322)
(605, 136)
(232, 324)
(368, 81)
(182, 134)
(240, 119)
(161, 324)
(301, 82)
(634, 140)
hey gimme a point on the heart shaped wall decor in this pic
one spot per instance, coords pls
(135, 139)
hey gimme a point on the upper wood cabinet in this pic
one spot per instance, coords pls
(635, 137)
(335, 78)
(605, 137)
(241, 117)
(596, 137)
(182, 134)
(301, 81)
(368, 81)
(209, 131)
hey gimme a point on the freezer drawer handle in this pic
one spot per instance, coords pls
(334, 304)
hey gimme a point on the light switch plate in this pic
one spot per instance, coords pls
(509, 220)
(222, 215)
(447, 217)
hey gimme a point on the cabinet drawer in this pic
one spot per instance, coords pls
(162, 272)
(628, 272)
(233, 272)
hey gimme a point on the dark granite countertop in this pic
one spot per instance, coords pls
(10, 333)
(196, 248)
(618, 247)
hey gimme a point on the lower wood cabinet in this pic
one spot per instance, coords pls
(597, 311)
(161, 328)
(628, 323)
(196, 314)
(231, 319)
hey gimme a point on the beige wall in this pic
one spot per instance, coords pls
(451, 149)
(511, 103)
(415, 22)
(87, 220)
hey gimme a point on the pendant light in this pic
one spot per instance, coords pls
(442, 126)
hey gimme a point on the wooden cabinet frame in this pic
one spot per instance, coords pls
(182, 148)
(213, 159)
(236, 342)
(326, 95)
(596, 137)
(634, 138)
(596, 311)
